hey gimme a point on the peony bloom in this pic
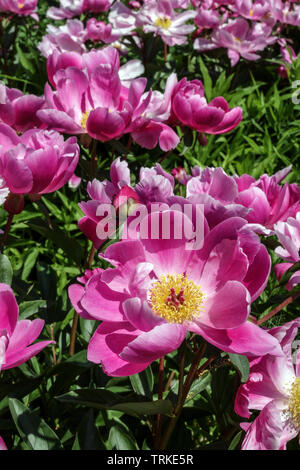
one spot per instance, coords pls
(190, 108)
(257, 10)
(273, 388)
(100, 31)
(159, 290)
(2, 444)
(38, 162)
(16, 337)
(19, 110)
(69, 37)
(19, 7)
(93, 100)
(160, 18)
(239, 39)
(71, 8)
(288, 234)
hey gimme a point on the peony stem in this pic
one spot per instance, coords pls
(279, 307)
(182, 394)
(75, 317)
(6, 230)
(160, 394)
(165, 51)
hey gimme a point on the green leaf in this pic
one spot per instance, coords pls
(33, 429)
(88, 437)
(30, 307)
(102, 399)
(6, 272)
(143, 382)
(121, 439)
(241, 363)
(29, 263)
(235, 441)
(24, 60)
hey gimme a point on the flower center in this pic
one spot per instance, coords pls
(176, 298)
(237, 39)
(163, 22)
(20, 5)
(251, 12)
(84, 119)
(294, 404)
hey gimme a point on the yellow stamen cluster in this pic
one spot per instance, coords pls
(20, 5)
(163, 22)
(294, 404)
(176, 298)
(84, 119)
(237, 39)
(251, 12)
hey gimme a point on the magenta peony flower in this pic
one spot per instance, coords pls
(19, 110)
(190, 108)
(2, 444)
(19, 7)
(273, 388)
(93, 100)
(16, 337)
(38, 162)
(159, 290)
(100, 31)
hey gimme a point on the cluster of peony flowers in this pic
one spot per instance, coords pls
(242, 27)
(160, 287)
(90, 97)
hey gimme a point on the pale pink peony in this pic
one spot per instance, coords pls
(17, 336)
(19, 7)
(71, 8)
(69, 37)
(159, 290)
(288, 234)
(160, 18)
(38, 162)
(273, 388)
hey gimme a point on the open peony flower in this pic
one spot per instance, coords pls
(240, 39)
(92, 99)
(71, 8)
(273, 388)
(159, 290)
(69, 37)
(19, 7)
(38, 162)
(19, 110)
(160, 18)
(17, 336)
(288, 234)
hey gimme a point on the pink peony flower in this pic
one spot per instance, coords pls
(19, 110)
(239, 39)
(288, 234)
(38, 162)
(160, 18)
(100, 31)
(19, 7)
(190, 108)
(71, 8)
(16, 337)
(93, 100)
(159, 290)
(273, 388)
(2, 444)
(69, 37)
